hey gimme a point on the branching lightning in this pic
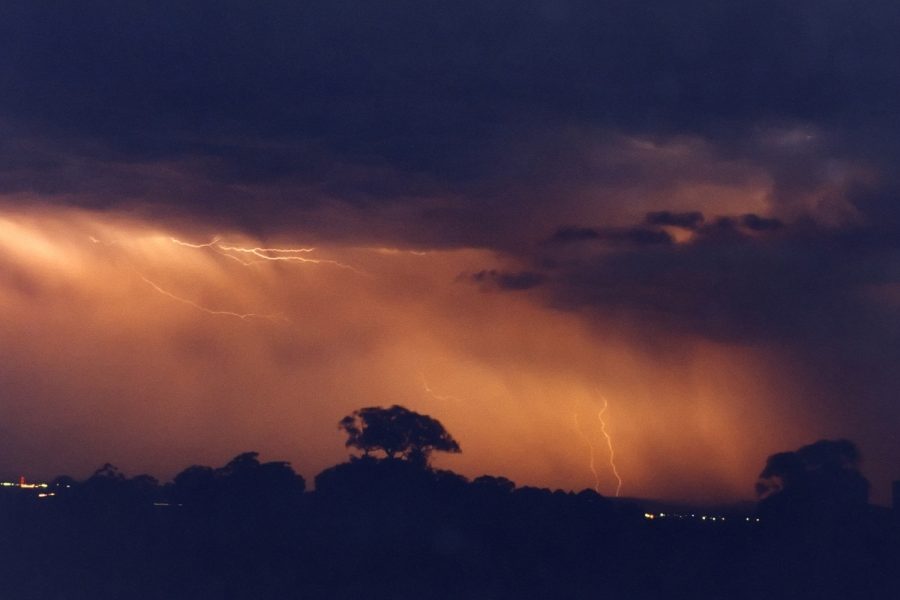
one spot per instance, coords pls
(592, 464)
(286, 255)
(227, 313)
(609, 444)
(212, 245)
(258, 254)
(252, 255)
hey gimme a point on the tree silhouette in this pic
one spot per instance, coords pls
(397, 431)
(243, 481)
(821, 480)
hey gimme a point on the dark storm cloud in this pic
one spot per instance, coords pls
(758, 223)
(730, 283)
(511, 281)
(686, 220)
(286, 91)
(740, 226)
(566, 235)
(640, 236)
(244, 111)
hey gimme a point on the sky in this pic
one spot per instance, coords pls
(669, 229)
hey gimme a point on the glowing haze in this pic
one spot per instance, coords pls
(153, 347)
(224, 227)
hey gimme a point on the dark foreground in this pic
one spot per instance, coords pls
(392, 530)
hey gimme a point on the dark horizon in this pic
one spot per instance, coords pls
(387, 525)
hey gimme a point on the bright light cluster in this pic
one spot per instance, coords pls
(693, 516)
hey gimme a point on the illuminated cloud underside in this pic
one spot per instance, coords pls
(132, 348)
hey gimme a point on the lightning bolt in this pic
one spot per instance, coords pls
(258, 250)
(209, 244)
(227, 313)
(101, 242)
(286, 255)
(212, 245)
(592, 463)
(259, 254)
(398, 251)
(609, 444)
(434, 394)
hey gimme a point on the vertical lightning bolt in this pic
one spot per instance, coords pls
(609, 444)
(592, 463)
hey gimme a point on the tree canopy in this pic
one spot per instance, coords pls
(244, 480)
(397, 432)
(821, 479)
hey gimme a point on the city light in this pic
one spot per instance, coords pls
(24, 485)
(692, 516)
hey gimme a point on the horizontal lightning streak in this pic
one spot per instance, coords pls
(227, 313)
(209, 244)
(212, 245)
(264, 254)
(384, 250)
(271, 250)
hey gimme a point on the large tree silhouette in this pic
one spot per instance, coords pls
(821, 480)
(397, 432)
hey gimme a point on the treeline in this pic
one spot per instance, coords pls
(385, 525)
(372, 528)
(395, 528)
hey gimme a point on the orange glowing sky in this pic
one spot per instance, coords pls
(130, 341)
